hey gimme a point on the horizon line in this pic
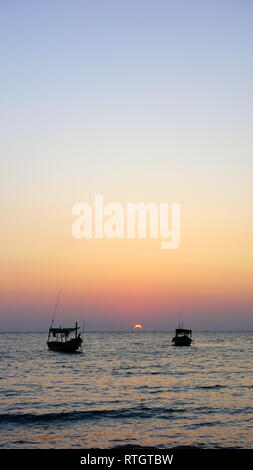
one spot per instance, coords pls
(133, 331)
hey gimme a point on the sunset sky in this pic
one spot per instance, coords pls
(140, 101)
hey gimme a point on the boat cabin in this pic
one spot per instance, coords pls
(184, 332)
(62, 334)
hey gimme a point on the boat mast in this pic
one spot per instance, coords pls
(180, 322)
(55, 307)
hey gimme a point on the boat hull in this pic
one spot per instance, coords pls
(67, 346)
(181, 341)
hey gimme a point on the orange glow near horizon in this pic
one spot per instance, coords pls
(110, 282)
(138, 326)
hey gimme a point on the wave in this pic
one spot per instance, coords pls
(211, 387)
(138, 412)
(182, 447)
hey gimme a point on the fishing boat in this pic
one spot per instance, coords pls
(61, 340)
(182, 337)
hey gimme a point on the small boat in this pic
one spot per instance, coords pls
(62, 343)
(182, 337)
(60, 336)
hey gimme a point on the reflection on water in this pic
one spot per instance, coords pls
(127, 388)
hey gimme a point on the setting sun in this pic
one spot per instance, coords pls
(138, 325)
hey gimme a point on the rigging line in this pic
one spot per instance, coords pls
(55, 308)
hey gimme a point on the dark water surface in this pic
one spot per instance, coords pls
(127, 389)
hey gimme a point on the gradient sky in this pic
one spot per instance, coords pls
(139, 101)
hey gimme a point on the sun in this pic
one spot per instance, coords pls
(137, 326)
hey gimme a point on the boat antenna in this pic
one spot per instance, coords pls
(180, 322)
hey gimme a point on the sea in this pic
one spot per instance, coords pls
(127, 390)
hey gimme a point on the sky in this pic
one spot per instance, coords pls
(139, 101)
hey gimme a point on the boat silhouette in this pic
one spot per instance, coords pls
(59, 338)
(182, 337)
(62, 343)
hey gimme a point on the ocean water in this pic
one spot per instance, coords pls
(127, 389)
